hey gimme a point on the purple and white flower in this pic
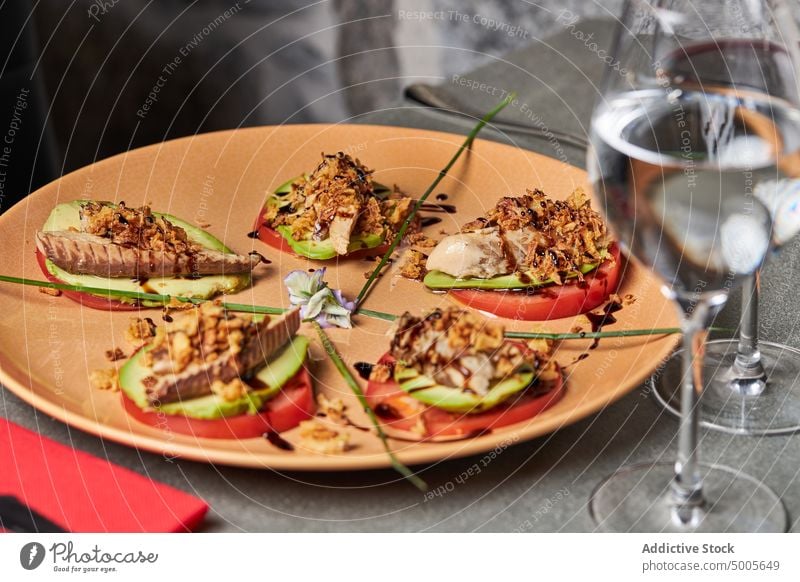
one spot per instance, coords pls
(317, 301)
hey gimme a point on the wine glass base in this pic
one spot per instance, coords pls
(637, 498)
(775, 410)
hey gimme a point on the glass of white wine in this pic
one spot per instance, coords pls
(704, 109)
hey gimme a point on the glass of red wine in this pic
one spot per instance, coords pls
(703, 109)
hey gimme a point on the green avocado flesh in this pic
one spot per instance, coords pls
(279, 369)
(427, 391)
(439, 280)
(323, 250)
(66, 216)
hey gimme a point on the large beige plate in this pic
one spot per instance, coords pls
(48, 346)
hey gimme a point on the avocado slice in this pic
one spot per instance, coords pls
(439, 280)
(428, 391)
(67, 215)
(278, 370)
(322, 250)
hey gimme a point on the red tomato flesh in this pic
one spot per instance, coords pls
(293, 404)
(551, 301)
(397, 410)
(86, 299)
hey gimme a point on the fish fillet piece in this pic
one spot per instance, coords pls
(338, 191)
(541, 237)
(81, 253)
(195, 380)
(337, 210)
(341, 228)
(456, 348)
(482, 254)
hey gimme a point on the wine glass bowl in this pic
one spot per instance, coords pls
(692, 215)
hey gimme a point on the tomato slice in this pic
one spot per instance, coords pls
(293, 404)
(86, 299)
(272, 238)
(551, 301)
(286, 410)
(397, 410)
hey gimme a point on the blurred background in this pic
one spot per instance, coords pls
(86, 79)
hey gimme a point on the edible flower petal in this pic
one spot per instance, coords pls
(317, 301)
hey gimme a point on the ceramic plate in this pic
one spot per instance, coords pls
(49, 345)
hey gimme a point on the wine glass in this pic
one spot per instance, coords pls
(676, 155)
(750, 387)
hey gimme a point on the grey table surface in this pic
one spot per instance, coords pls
(541, 485)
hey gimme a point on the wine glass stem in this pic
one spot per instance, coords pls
(748, 376)
(687, 485)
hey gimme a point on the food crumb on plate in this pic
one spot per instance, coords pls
(413, 265)
(332, 408)
(416, 256)
(140, 330)
(50, 291)
(319, 438)
(104, 379)
(115, 355)
(377, 260)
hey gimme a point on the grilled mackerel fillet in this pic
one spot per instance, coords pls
(208, 344)
(117, 241)
(88, 254)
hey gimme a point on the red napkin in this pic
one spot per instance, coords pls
(83, 493)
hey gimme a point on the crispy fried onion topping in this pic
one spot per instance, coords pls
(199, 336)
(134, 227)
(340, 187)
(557, 236)
(463, 350)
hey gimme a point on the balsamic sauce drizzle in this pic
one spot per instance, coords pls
(364, 369)
(434, 207)
(599, 320)
(277, 440)
(261, 257)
